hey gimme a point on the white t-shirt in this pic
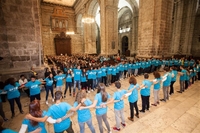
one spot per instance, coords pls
(21, 82)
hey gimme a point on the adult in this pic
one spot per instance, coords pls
(13, 95)
(77, 78)
(23, 81)
(49, 87)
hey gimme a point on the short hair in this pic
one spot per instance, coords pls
(33, 76)
(58, 95)
(146, 75)
(156, 74)
(22, 76)
(118, 84)
(166, 69)
(132, 80)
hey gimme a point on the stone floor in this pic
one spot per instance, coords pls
(181, 114)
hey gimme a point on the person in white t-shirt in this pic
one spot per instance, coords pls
(23, 81)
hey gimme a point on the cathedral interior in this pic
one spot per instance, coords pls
(31, 30)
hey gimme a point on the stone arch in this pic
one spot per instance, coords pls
(132, 9)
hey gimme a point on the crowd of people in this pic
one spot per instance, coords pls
(90, 73)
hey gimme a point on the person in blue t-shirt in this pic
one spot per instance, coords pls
(104, 74)
(109, 75)
(133, 97)
(145, 92)
(99, 75)
(77, 78)
(34, 126)
(5, 130)
(2, 114)
(182, 79)
(58, 111)
(156, 88)
(34, 86)
(166, 84)
(174, 73)
(101, 109)
(68, 83)
(113, 74)
(49, 86)
(118, 106)
(59, 80)
(84, 116)
(84, 84)
(90, 79)
(13, 95)
(187, 78)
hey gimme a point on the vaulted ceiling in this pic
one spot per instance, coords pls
(62, 2)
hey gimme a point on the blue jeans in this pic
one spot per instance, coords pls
(82, 126)
(49, 88)
(79, 84)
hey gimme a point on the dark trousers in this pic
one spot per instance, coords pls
(33, 97)
(198, 75)
(68, 130)
(84, 85)
(113, 78)
(90, 84)
(68, 85)
(145, 102)
(12, 104)
(193, 78)
(125, 72)
(132, 106)
(117, 76)
(104, 80)
(186, 84)
(2, 114)
(27, 91)
(171, 87)
(49, 88)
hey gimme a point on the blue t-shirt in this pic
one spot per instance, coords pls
(109, 70)
(175, 74)
(59, 79)
(77, 74)
(117, 96)
(83, 78)
(84, 115)
(90, 74)
(103, 69)
(49, 82)
(134, 95)
(12, 91)
(58, 111)
(167, 82)
(146, 90)
(100, 111)
(8, 131)
(99, 73)
(40, 125)
(126, 67)
(113, 71)
(68, 78)
(34, 87)
(157, 85)
(182, 77)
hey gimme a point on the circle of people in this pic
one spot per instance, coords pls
(97, 77)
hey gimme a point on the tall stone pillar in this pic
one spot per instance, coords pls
(154, 36)
(109, 27)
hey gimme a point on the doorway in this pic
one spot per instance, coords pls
(124, 45)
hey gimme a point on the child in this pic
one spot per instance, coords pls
(59, 81)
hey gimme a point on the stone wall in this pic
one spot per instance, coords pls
(20, 36)
(48, 34)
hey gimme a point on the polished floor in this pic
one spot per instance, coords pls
(181, 114)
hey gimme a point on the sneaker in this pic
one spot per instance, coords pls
(64, 96)
(137, 115)
(52, 100)
(163, 100)
(5, 119)
(131, 119)
(47, 103)
(123, 125)
(88, 91)
(142, 111)
(70, 94)
(154, 104)
(158, 102)
(91, 89)
(116, 129)
(73, 94)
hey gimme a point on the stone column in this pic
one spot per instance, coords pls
(154, 27)
(103, 27)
